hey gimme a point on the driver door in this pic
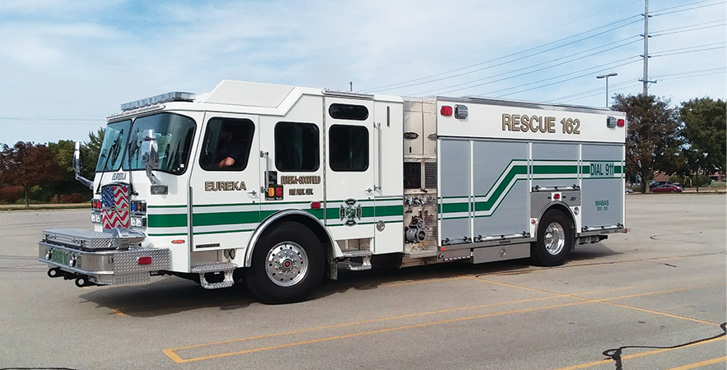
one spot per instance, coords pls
(225, 197)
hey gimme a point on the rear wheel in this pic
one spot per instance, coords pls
(555, 239)
(287, 265)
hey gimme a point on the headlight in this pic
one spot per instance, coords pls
(138, 222)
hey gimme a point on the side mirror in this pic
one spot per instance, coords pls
(150, 151)
(150, 160)
(77, 166)
(77, 158)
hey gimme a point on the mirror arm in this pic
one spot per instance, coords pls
(77, 166)
(86, 182)
(154, 180)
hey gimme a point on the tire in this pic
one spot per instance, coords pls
(555, 239)
(288, 263)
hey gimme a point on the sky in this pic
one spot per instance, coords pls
(66, 65)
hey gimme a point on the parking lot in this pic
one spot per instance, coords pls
(652, 299)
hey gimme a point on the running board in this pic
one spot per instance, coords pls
(227, 268)
(365, 263)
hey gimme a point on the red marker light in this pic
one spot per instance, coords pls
(446, 110)
(621, 122)
(144, 260)
(279, 191)
(556, 196)
(315, 205)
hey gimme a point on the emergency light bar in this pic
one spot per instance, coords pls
(163, 98)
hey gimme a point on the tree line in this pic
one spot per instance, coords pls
(688, 140)
(43, 173)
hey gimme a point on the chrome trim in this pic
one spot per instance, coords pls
(106, 267)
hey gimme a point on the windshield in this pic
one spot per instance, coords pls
(110, 155)
(122, 141)
(174, 134)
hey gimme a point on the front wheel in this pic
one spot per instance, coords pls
(287, 264)
(555, 239)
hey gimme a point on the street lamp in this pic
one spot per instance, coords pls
(606, 77)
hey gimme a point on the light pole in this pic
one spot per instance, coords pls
(606, 77)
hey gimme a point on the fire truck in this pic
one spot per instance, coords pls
(279, 187)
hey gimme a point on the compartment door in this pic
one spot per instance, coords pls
(603, 185)
(349, 179)
(455, 197)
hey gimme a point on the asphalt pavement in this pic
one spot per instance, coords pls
(650, 299)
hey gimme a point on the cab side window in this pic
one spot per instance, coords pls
(349, 148)
(226, 145)
(297, 147)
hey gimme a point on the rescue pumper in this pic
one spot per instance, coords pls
(281, 186)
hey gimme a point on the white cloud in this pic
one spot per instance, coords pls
(81, 59)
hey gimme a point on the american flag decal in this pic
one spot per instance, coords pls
(115, 202)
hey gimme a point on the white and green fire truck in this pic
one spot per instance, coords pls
(280, 186)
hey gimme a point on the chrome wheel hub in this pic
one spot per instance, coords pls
(554, 238)
(286, 264)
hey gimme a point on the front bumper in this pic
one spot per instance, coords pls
(103, 258)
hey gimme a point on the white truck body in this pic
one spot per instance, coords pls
(427, 180)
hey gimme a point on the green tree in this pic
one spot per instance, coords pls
(27, 164)
(90, 151)
(63, 155)
(651, 142)
(703, 127)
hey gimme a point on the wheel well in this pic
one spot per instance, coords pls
(279, 218)
(565, 210)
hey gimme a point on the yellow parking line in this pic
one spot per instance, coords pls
(176, 358)
(661, 313)
(341, 325)
(171, 352)
(607, 300)
(552, 296)
(637, 355)
(701, 364)
(530, 270)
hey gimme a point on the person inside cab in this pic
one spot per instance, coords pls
(229, 148)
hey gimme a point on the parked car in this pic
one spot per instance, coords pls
(666, 188)
(656, 184)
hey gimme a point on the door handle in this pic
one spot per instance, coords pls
(253, 193)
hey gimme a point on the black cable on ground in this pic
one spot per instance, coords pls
(615, 354)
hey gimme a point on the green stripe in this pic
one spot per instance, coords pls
(384, 211)
(174, 234)
(549, 170)
(223, 232)
(455, 207)
(225, 218)
(500, 190)
(178, 220)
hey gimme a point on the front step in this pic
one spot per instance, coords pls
(365, 263)
(227, 268)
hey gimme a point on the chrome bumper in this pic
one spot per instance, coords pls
(104, 258)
